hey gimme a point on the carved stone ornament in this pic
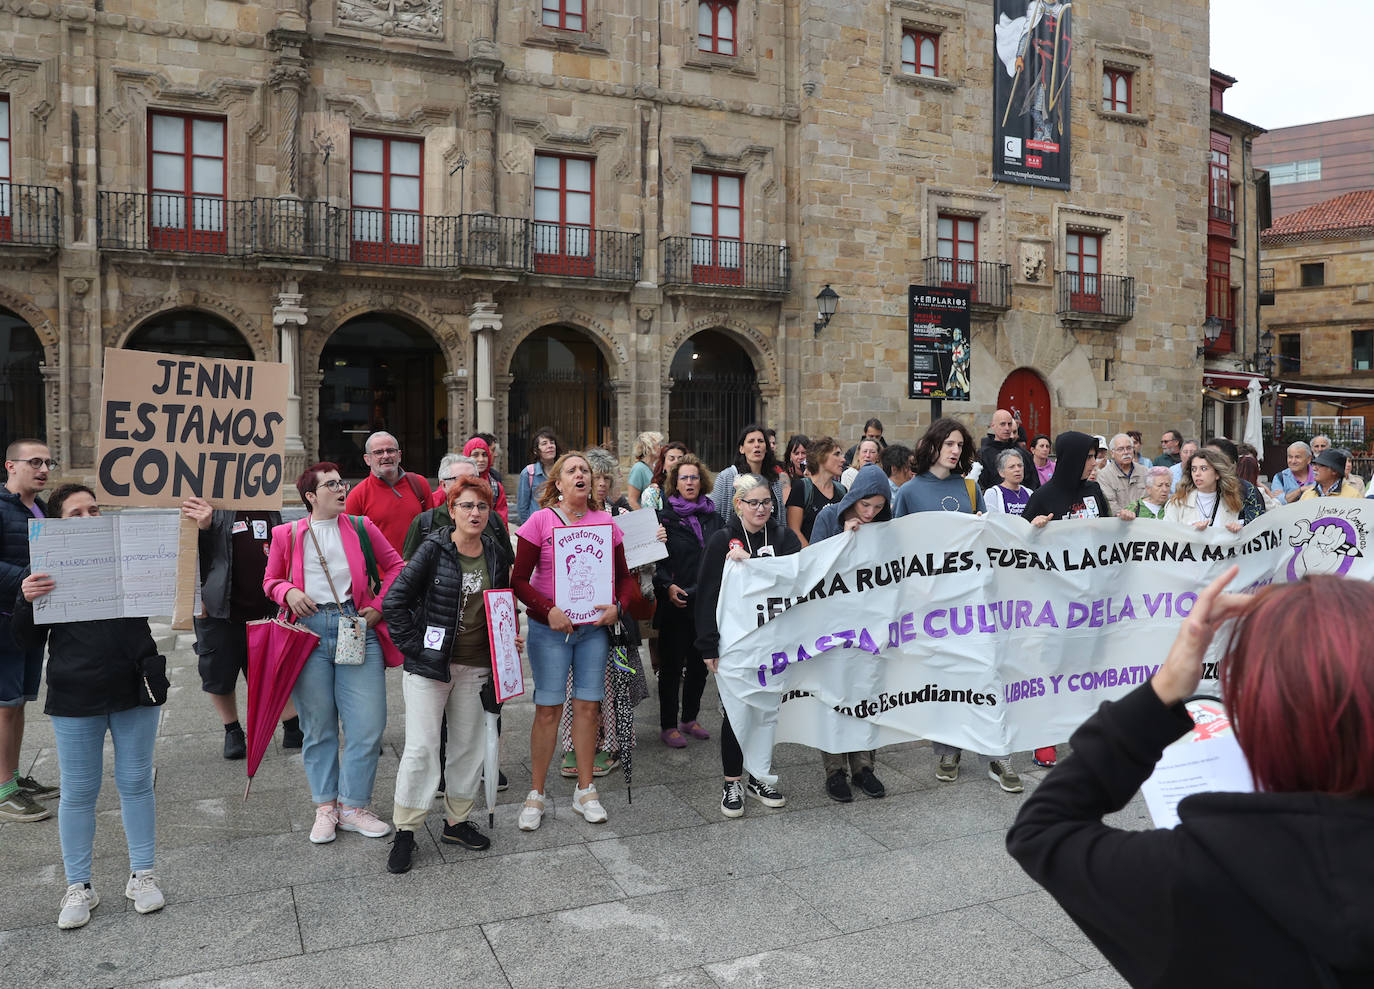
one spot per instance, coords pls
(407, 18)
(1032, 262)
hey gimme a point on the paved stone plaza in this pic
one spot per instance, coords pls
(912, 890)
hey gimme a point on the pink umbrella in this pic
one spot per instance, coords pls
(277, 650)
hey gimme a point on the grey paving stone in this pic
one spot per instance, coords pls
(452, 957)
(744, 847)
(648, 936)
(1041, 915)
(120, 946)
(934, 814)
(1099, 978)
(887, 887)
(435, 895)
(963, 948)
(687, 978)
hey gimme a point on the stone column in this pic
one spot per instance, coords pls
(484, 322)
(311, 382)
(287, 79)
(483, 102)
(288, 316)
(456, 385)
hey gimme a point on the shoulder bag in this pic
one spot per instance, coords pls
(351, 646)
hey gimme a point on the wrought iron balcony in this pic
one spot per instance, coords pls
(988, 283)
(585, 252)
(140, 221)
(29, 215)
(1222, 214)
(717, 262)
(1266, 286)
(1094, 298)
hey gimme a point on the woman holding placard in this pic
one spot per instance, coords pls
(752, 533)
(104, 677)
(318, 567)
(556, 644)
(437, 615)
(1270, 888)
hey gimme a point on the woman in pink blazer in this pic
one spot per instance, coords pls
(317, 569)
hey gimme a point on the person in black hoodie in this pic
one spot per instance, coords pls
(752, 532)
(689, 519)
(1271, 888)
(1068, 494)
(437, 616)
(865, 502)
(104, 676)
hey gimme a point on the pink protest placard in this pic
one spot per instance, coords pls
(506, 674)
(583, 570)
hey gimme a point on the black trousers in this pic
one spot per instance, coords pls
(681, 672)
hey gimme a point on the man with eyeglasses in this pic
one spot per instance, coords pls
(452, 467)
(389, 496)
(27, 465)
(1123, 480)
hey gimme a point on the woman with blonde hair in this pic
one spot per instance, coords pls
(1208, 495)
(642, 473)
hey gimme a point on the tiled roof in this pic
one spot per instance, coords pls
(1350, 212)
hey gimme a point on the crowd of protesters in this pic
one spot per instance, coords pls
(388, 572)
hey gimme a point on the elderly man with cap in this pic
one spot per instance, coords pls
(1329, 467)
(1290, 483)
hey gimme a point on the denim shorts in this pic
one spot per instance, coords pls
(551, 657)
(21, 670)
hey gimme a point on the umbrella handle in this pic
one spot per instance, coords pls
(247, 786)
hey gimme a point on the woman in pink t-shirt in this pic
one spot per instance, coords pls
(555, 644)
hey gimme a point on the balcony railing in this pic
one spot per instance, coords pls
(1266, 286)
(719, 262)
(277, 228)
(1222, 214)
(1109, 298)
(29, 215)
(988, 283)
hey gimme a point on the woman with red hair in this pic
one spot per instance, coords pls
(1272, 888)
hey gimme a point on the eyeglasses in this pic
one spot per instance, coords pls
(757, 503)
(468, 507)
(333, 485)
(390, 451)
(38, 462)
(447, 480)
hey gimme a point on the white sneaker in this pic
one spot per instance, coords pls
(142, 889)
(586, 803)
(532, 813)
(77, 904)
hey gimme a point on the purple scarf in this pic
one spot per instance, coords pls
(689, 510)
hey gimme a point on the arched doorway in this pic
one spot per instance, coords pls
(715, 394)
(1025, 395)
(382, 372)
(23, 411)
(191, 333)
(559, 380)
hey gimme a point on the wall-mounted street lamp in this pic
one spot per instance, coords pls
(1211, 332)
(826, 301)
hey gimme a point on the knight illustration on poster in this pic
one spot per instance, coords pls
(957, 385)
(1032, 89)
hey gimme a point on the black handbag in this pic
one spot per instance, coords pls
(152, 681)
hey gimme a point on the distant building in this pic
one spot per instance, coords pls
(1311, 163)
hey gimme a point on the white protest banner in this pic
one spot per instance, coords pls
(506, 675)
(172, 427)
(640, 532)
(984, 632)
(111, 566)
(583, 570)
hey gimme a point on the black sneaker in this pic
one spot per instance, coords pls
(732, 798)
(35, 789)
(870, 784)
(292, 738)
(837, 786)
(402, 850)
(764, 794)
(463, 833)
(235, 745)
(502, 784)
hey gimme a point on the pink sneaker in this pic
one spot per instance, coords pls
(363, 821)
(326, 820)
(694, 729)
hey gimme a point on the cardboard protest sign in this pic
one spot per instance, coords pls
(506, 675)
(583, 570)
(172, 427)
(984, 632)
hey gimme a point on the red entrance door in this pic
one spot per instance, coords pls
(1025, 395)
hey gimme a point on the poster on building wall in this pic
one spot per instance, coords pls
(1032, 88)
(172, 427)
(938, 358)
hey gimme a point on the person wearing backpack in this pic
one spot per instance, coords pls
(820, 487)
(389, 496)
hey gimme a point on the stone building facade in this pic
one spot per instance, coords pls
(609, 214)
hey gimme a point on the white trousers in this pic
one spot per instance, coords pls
(417, 779)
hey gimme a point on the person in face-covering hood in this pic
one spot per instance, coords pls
(1068, 494)
(869, 481)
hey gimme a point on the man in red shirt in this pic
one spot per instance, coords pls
(388, 496)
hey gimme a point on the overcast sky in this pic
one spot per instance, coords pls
(1295, 62)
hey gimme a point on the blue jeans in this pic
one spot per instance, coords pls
(80, 752)
(329, 697)
(551, 657)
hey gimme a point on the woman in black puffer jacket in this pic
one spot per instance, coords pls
(437, 617)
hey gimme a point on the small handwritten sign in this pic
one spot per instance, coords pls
(583, 570)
